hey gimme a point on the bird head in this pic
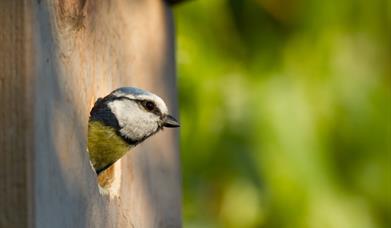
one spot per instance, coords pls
(134, 113)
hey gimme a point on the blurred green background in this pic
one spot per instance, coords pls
(285, 111)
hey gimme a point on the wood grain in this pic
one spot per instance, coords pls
(82, 50)
(15, 120)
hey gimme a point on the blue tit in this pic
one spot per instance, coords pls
(121, 120)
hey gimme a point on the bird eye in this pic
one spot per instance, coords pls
(149, 106)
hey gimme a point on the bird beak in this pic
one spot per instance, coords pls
(169, 121)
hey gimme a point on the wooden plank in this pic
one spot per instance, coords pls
(15, 120)
(82, 50)
(85, 50)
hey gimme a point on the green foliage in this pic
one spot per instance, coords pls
(285, 113)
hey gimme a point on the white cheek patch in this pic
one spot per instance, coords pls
(135, 122)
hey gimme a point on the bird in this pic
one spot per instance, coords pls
(121, 120)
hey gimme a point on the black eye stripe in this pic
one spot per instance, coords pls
(150, 106)
(144, 104)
